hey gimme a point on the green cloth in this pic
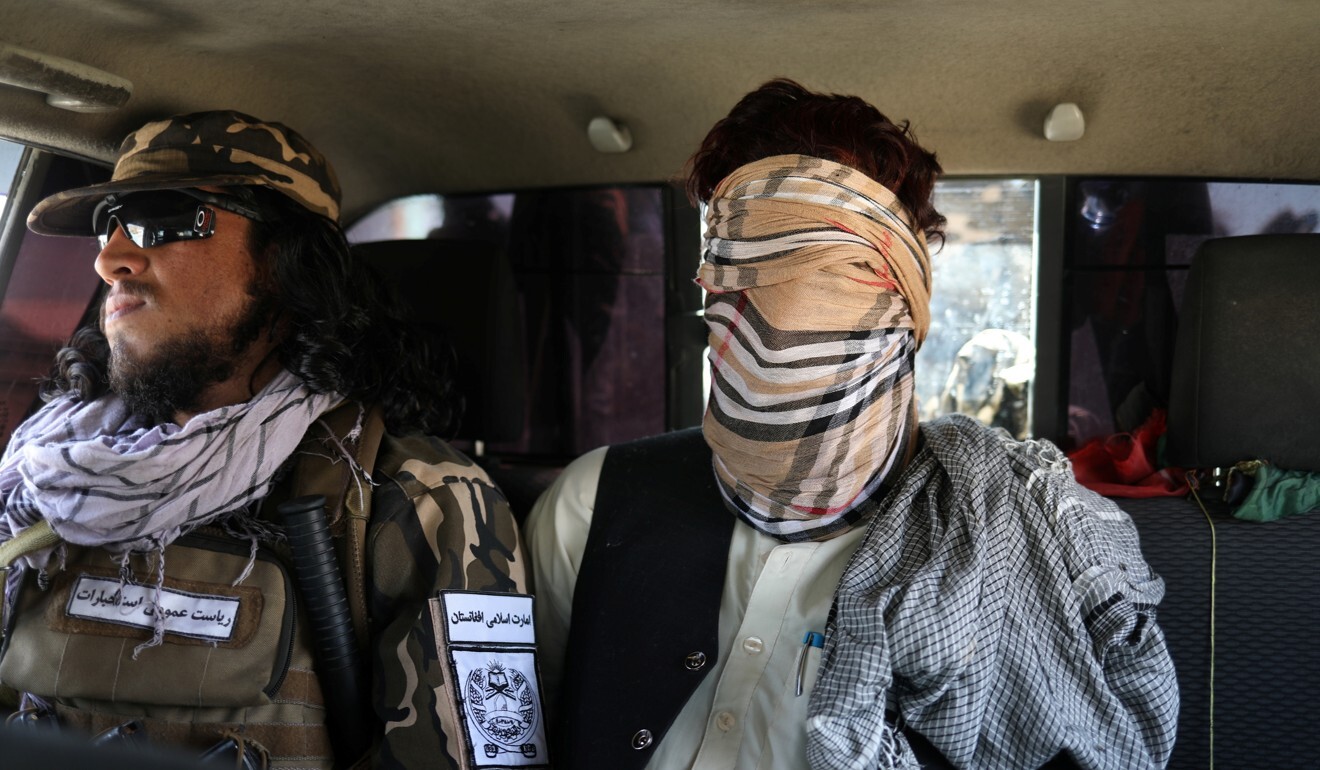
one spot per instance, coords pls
(1279, 493)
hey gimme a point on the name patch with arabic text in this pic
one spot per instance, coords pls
(198, 616)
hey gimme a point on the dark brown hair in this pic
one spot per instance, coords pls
(783, 118)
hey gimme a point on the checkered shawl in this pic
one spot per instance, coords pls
(101, 478)
(819, 293)
(1002, 611)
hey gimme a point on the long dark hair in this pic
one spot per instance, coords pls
(344, 330)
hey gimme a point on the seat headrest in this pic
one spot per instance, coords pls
(464, 291)
(1246, 366)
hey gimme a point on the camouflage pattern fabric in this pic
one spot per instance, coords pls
(438, 524)
(223, 148)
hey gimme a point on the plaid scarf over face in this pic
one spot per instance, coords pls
(819, 295)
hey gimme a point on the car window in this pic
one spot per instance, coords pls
(1127, 244)
(589, 268)
(1130, 244)
(10, 153)
(593, 260)
(979, 357)
(46, 296)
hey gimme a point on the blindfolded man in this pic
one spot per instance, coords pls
(813, 579)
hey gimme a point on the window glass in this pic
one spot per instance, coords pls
(1129, 245)
(10, 154)
(49, 291)
(408, 218)
(588, 266)
(980, 356)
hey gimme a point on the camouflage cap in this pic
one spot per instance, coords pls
(223, 148)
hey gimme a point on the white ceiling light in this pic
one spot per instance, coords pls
(1065, 123)
(609, 135)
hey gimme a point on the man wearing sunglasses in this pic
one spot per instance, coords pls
(243, 357)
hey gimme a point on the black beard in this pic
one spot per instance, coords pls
(172, 378)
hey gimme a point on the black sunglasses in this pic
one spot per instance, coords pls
(163, 216)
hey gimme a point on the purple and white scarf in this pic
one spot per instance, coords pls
(100, 477)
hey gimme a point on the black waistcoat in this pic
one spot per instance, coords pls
(646, 608)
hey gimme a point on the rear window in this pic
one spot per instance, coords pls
(979, 358)
(589, 268)
(1130, 243)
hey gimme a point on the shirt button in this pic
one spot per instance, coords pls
(725, 721)
(641, 739)
(695, 661)
(753, 645)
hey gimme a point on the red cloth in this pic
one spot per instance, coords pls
(1124, 464)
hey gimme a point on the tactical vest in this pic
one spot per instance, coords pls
(238, 660)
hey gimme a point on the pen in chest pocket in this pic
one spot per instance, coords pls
(809, 640)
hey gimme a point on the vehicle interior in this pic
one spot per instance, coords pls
(511, 167)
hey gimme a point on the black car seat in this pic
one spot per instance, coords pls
(1242, 608)
(463, 292)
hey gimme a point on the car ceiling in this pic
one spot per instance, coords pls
(445, 96)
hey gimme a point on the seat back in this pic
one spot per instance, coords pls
(1246, 370)
(1239, 611)
(463, 291)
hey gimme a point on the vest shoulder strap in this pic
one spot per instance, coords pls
(323, 468)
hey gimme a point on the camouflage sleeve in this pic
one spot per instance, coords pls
(438, 523)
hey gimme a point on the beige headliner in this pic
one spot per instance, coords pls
(437, 95)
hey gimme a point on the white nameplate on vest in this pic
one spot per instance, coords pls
(488, 618)
(490, 645)
(198, 616)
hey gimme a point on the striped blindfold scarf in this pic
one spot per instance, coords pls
(819, 294)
